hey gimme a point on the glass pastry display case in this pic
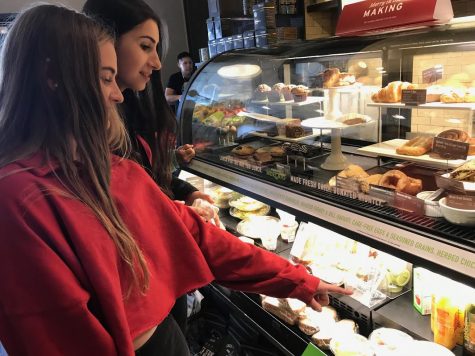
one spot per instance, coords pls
(370, 137)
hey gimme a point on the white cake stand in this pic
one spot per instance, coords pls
(336, 161)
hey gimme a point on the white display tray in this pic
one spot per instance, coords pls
(434, 105)
(322, 123)
(388, 149)
(310, 100)
(283, 138)
(260, 117)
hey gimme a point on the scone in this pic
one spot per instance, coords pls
(243, 150)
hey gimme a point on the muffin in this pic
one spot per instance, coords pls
(275, 95)
(261, 92)
(287, 92)
(300, 93)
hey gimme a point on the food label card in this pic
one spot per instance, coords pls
(448, 184)
(386, 194)
(414, 96)
(347, 184)
(431, 75)
(465, 202)
(450, 149)
(408, 203)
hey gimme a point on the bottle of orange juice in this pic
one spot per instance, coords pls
(444, 322)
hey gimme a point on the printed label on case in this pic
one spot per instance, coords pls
(348, 184)
(448, 184)
(409, 203)
(414, 96)
(466, 202)
(450, 149)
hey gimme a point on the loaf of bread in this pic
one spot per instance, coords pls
(392, 93)
(416, 147)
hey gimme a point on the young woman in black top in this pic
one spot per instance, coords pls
(149, 120)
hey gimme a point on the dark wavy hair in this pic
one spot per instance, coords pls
(49, 99)
(147, 113)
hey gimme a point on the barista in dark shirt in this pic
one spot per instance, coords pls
(178, 80)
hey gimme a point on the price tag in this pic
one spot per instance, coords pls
(431, 75)
(466, 202)
(414, 96)
(408, 203)
(386, 194)
(312, 350)
(348, 184)
(450, 149)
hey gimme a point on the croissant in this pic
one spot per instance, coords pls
(392, 93)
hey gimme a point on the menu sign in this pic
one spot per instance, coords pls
(414, 96)
(466, 202)
(450, 149)
(369, 16)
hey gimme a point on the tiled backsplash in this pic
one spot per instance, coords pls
(458, 71)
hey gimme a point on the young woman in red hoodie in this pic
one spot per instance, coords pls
(88, 264)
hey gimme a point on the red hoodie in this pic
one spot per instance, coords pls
(62, 282)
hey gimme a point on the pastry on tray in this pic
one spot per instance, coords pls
(371, 180)
(346, 79)
(287, 92)
(400, 182)
(261, 92)
(354, 121)
(471, 148)
(300, 93)
(331, 77)
(392, 93)
(454, 134)
(263, 157)
(243, 150)
(465, 172)
(453, 96)
(416, 147)
(294, 131)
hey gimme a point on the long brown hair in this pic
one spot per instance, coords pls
(50, 96)
(147, 113)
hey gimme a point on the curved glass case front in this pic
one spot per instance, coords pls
(352, 119)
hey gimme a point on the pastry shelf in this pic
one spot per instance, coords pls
(435, 105)
(283, 138)
(388, 149)
(310, 100)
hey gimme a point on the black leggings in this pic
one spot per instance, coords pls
(166, 340)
